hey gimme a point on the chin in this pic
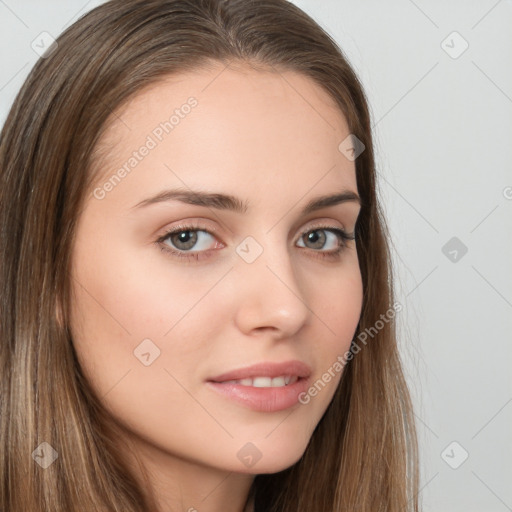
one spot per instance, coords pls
(274, 458)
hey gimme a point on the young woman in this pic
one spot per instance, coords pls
(197, 306)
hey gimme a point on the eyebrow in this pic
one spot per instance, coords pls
(232, 203)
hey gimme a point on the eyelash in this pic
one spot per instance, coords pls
(342, 235)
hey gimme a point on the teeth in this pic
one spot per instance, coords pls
(262, 382)
(265, 382)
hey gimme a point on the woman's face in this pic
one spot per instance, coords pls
(251, 275)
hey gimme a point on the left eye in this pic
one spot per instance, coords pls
(318, 238)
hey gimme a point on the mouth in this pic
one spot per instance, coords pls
(264, 387)
(266, 382)
(260, 372)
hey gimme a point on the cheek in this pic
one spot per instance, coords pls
(338, 310)
(339, 303)
(131, 302)
(114, 309)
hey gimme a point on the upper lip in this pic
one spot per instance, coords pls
(266, 369)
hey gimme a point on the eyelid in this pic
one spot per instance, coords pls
(187, 226)
(195, 225)
(324, 225)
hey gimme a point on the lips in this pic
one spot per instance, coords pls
(266, 369)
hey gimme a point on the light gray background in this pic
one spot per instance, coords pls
(443, 135)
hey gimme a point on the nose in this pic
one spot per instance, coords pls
(269, 296)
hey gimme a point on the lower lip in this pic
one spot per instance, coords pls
(263, 399)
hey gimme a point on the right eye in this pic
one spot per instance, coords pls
(183, 238)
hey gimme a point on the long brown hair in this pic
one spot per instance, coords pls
(363, 453)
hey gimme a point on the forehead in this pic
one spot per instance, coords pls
(222, 123)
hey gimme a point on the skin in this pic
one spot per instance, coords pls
(270, 139)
